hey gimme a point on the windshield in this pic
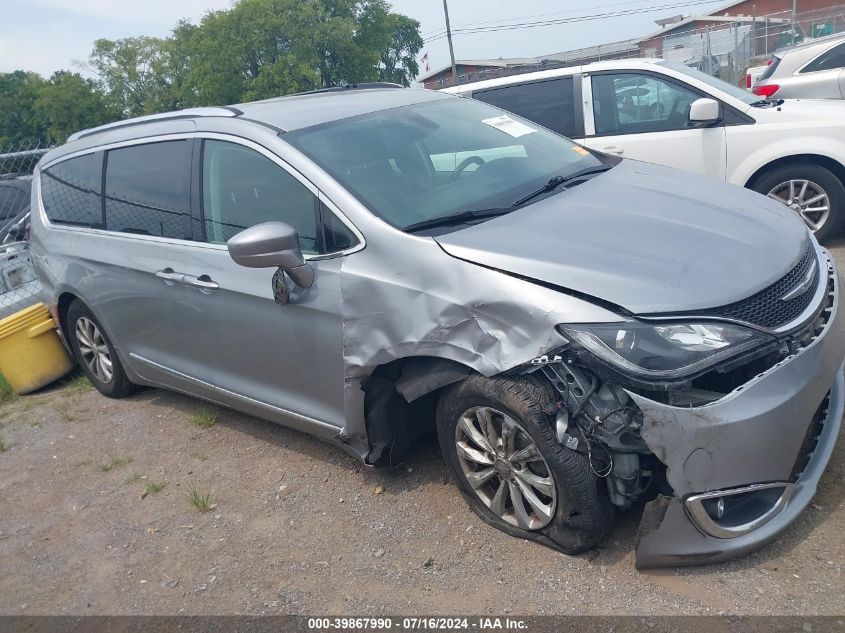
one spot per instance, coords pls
(440, 158)
(715, 82)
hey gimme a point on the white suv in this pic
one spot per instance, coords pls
(661, 112)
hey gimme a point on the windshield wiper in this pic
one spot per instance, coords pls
(557, 181)
(457, 218)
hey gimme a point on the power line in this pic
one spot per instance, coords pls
(470, 30)
(441, 30)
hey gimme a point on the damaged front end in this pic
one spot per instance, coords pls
(728, 443)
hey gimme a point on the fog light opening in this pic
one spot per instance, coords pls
(727, 514)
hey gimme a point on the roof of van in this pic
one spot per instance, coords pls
(291, 112)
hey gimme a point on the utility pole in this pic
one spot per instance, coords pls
(449, 37)
(794, 17)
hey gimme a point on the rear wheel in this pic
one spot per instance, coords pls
(814, 193)
(95, 353)
(501, 448)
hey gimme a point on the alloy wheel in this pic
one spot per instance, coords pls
(95, 352)
(505, 469)
(805, 198)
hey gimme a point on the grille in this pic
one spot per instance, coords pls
(765, 309)
(811, 439)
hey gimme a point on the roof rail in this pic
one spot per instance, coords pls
(344, 88)
(224, 111)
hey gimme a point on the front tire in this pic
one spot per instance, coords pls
(811, 191)
(95, 353)
(501, 449)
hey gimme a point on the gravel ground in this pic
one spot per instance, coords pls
(297, 526)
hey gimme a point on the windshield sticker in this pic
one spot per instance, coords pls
(509, 126)
(580, 150)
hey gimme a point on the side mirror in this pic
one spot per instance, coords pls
(272, 245)
(704, 112)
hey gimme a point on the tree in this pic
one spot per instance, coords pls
(18, 123)
(67, 103)
(135, 73)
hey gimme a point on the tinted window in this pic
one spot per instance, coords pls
(70, 191)
(633, 103)
(147, 189)
(829, 60)
(770, 70)
(549, 103)
(242, 188)
(337, 236)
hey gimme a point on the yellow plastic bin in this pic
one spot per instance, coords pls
(31, 354)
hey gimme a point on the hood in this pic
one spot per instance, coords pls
(809, 112)
(644, 237)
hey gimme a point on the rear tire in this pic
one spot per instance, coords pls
(809, 183)
(95, 353)
(572, 516)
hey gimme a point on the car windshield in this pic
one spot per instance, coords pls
(436, 159)
(715, 82)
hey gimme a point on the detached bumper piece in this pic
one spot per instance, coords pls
(744, 467)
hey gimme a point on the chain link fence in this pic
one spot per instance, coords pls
(19, 285)
(725, 47)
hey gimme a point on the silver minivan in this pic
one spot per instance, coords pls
(586, 334)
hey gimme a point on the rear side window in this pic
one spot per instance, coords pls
(70, 191)
(147, 189)
(770, 69)
(829, 60)
(549, 103)
(242, 188)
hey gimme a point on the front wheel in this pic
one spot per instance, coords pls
(501, 449)
(814, 193)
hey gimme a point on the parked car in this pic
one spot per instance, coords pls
(752, 75)
(19, 285)
(14, 196)
(814, 69)
(368, 263)
(662, 112)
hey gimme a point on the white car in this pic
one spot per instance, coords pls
(752, 75)
(662, 112)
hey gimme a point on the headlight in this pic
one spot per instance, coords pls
(665, 351)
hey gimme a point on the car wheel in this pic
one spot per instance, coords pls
(95, 353)
(501, 449)
(811, 191)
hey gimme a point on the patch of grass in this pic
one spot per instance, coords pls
(84, 462)
(204, 417)
(79, 382)
(3, 446)
(6, 391)
(201, 500)
(65, 408)
(134, 478)
(199, 455)
(152, 488)
(116, 462)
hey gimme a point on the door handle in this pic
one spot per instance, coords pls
(203, 282)
(613, 149)
(170, 277)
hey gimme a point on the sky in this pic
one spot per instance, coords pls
(49, 35)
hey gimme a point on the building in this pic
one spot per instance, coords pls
(470, 70)
(722, 43)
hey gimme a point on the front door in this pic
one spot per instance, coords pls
(644, 116)
(278, 360)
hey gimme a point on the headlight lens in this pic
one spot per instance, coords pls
(664, 351)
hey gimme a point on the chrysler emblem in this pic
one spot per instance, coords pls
(802, 286)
